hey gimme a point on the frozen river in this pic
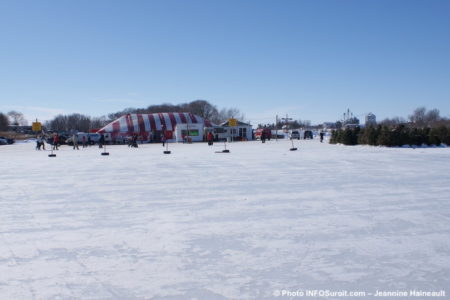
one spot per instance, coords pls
(258, 223)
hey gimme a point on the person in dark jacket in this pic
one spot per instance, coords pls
(101, 141)
(163, 139)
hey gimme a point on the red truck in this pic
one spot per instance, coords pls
(260, 131)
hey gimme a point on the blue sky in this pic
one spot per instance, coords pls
(309, 59)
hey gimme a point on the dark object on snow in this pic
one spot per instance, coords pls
(167, 148)
(308, 135)
(6, 140)
(104, 153)
(52, 154)
(293, 148)
(225, 150)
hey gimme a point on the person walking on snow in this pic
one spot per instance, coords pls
(210, 138)
(84, 141)
(75, 141)
(43, 142)
(321, 136)
(38, 143)
(55, 141)
(101, 141)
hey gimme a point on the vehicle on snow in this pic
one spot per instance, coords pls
(308, 135)
(295, 134)
(6, 141)
(260, 131)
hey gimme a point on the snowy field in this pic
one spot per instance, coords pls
(195, 224)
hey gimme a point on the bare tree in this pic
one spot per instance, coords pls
(418, 117)
(98, 122)
(17, 118)
(227, 113)
(203, 109)
(59, 123)
(422, 118)
(76, 122)
(432, 117)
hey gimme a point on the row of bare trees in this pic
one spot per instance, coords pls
(76, 122)
(201, 108)
(420, 118)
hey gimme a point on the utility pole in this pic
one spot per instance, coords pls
(287, 119)
(276, 128)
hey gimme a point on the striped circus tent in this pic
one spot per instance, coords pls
(147, 125)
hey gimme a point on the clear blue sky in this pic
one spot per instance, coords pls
(310, 59)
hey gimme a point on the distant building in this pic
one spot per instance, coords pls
(329, 125)
(242, 132)
(371, 119)
(20, 129)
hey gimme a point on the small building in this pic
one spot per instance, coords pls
(241, 132)
(192, 131)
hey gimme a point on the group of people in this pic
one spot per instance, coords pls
(52, 140)
(55, 141)
(40, 142)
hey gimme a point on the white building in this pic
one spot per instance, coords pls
(241, 132)
(371, 119)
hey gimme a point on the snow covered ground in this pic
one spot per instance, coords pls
(195, 224)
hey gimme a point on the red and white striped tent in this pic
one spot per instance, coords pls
(148, 125)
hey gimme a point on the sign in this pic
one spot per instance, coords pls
(232, 122)
(36, 126)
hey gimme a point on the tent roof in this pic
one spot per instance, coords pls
(142, 123)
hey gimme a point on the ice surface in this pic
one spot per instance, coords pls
(195, 224)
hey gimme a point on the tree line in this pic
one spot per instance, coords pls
(84, 123)
(201, 108)
(422, 127)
